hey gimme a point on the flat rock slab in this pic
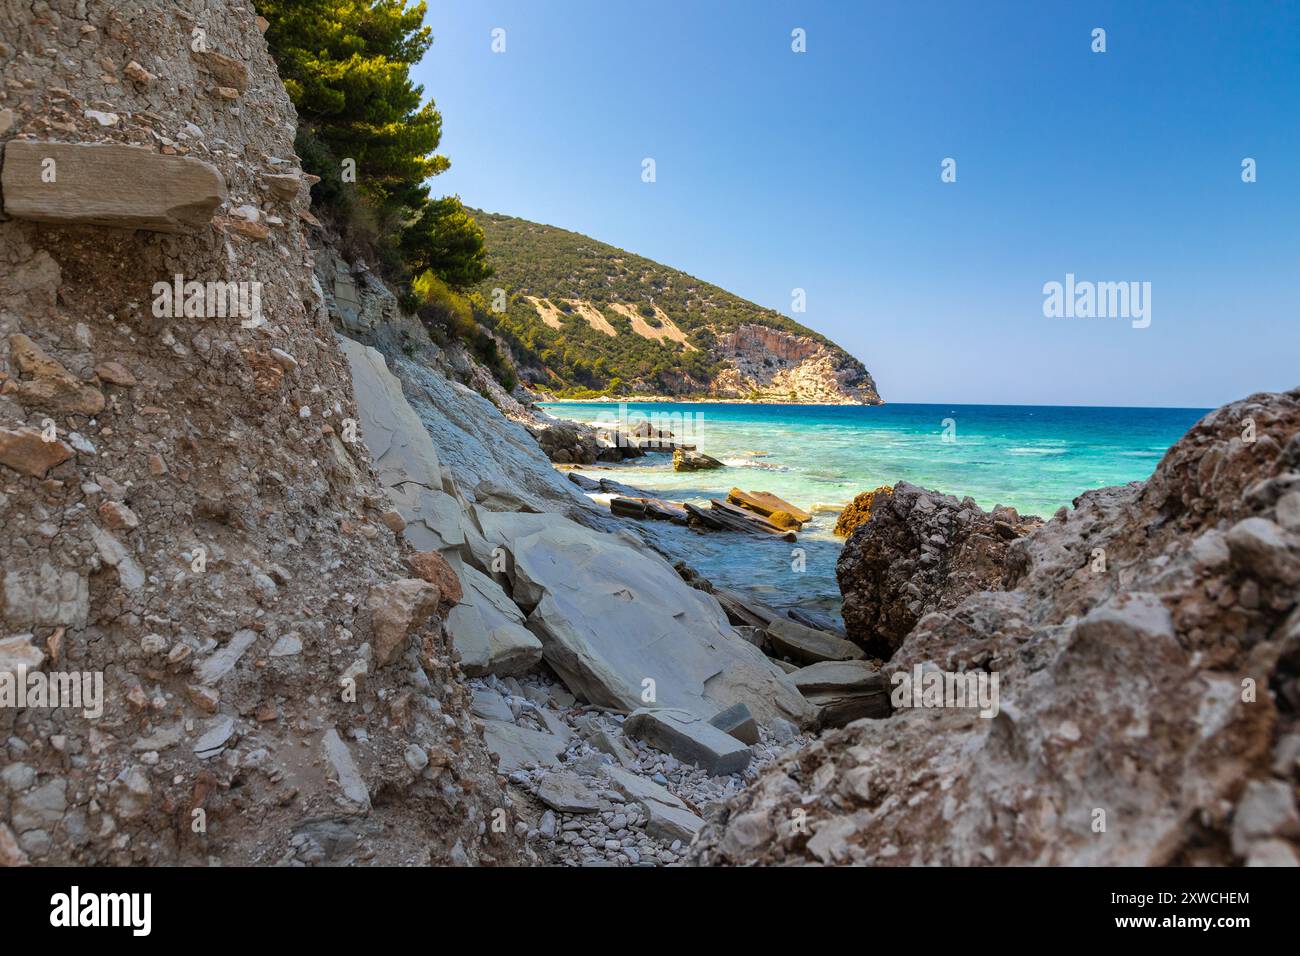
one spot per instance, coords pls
(667, 824)
(520, 747)
(221, 663)
(488, 630)
(809, 646)
(489, 705)
(566, 793)
(688, 738)
(125, 187)
(611, 616)
(608, 743)
(838, 676)
(215, 734)
(640, 790)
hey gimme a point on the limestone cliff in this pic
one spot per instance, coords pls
(773, 365)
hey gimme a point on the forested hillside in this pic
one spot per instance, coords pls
(585, 317)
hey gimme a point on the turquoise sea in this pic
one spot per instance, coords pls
(1034, 458)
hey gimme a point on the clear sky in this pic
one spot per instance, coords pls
(821, 170)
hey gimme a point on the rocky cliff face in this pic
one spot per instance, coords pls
(774, 365)
(186, 514)
(1148, 656)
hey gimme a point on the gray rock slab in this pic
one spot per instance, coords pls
(809, 646)
(667, 824)
(487, 628)
(844, 691)
(612, 617)
(688, 738)
(566, 793)
(345, 770)
(520, 747)
(640, 790)
(489, 705)
(608, 743)
(215, 735)
(223, 661)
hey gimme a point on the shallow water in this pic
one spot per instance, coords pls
(1034, 458)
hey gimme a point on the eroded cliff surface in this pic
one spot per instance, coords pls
(184, 509)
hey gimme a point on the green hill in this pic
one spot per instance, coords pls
(583, 318)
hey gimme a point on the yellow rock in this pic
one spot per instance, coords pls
(859, 511)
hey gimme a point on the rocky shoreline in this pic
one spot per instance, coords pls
(346, 610)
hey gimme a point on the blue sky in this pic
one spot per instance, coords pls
(820, 171)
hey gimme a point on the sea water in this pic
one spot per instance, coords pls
(1033, 458)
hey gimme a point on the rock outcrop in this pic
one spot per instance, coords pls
(104, 184)
(183, 515)
(920, 551)
(773, 365)
(1147, 651)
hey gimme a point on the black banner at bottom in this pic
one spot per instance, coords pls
(361, 904)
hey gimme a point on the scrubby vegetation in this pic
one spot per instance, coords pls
(578, 361)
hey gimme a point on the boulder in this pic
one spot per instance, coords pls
(688, 738)
(125, 187)
(921, 551)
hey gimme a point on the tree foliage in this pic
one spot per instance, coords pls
(347, 66)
